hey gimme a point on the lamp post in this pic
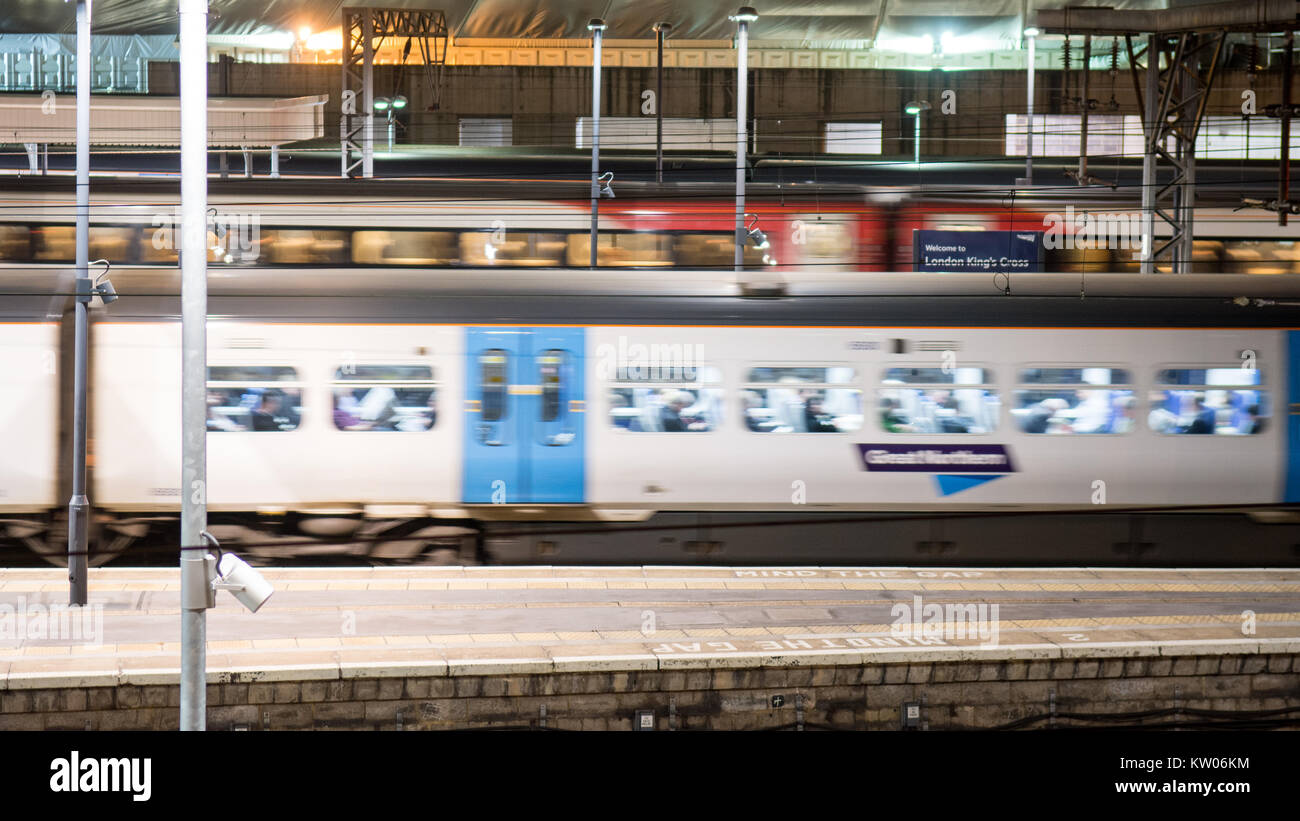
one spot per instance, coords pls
(742, 18)
(661, 33)
(1032, 33)
(194, 358)
(915, 109)
(597, 28)
(79, 505)
(389, 106)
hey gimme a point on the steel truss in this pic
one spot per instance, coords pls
(1178, 81)
(364, 30)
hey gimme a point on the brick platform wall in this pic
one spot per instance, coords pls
(955, 695)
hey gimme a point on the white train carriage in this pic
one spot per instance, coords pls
(29, 417)
(618, 422)
(304, 417)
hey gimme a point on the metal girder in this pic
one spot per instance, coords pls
(1178, 82)
(1239, 15)
(364, 29)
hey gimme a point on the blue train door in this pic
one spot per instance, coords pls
(1293, 418)
(524, 411)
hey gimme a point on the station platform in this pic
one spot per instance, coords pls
(697, 647)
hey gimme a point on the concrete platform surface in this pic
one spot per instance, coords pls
(341, 623)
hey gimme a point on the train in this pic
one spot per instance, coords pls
(404, 407)
(488, 223)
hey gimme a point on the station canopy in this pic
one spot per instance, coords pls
(799, 23)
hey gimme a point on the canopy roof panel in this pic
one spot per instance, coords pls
(803, 20)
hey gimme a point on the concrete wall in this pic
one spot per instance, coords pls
(956, 695)
(791, 105)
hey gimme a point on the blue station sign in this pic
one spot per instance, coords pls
(977, 251)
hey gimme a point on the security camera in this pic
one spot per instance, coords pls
(104, 290)
(237, 576)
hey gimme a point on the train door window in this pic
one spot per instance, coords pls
(550, 367)
(938, 400)
(1075, 400)
(385, 398)
(493, 377)
(558, 424)
(1209, 400)
(802, 399)
(666, 399)
(258, 398)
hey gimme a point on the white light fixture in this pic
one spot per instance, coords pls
(915, 108)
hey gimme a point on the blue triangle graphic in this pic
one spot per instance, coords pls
(949, 485)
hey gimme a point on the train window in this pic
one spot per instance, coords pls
(404, 248)
(1262, 256)
(58, 243)
(938, 400)
(292, 246)
(494, 383)
(1057, 404)
(1222, 401)
(802, 400)
(385, 398)
(627, 250)
(1209, 376)
(261, 398)
(15, 242)
(684, 400)
(938, 376)
(528, 249)
(712, 251)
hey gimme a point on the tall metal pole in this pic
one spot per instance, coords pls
(194, 314)
(597, 28)
(1083, 111)
(661, 32)
(1284, 179)
(79, 505)
(368, 93)
(1032, 34)
(916, 139)
(743, 17)
(1151, 132)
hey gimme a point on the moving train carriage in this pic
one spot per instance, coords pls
(532, 225)
(340, 425)
(389, 409)
(30, 420)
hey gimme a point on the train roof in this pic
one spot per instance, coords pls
(684, 297)
(544, 176)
